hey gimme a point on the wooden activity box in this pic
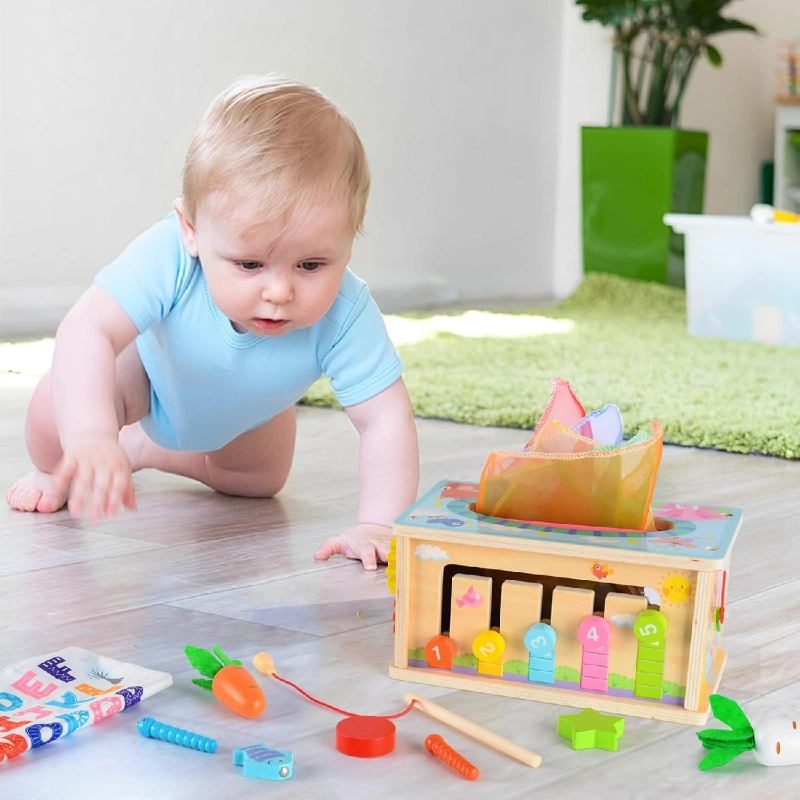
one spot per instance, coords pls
(625, 622)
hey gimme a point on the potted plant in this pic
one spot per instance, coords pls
(646, 166)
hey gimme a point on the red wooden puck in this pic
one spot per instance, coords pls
(365, 737)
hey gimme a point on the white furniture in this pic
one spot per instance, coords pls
(787, 157)
(742, 277)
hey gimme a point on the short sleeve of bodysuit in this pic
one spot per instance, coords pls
(362, 361)
(150, 275)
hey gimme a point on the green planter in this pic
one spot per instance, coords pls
(631, 177)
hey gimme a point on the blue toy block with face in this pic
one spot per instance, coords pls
(263, 762)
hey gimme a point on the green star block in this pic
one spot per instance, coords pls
(591, 729)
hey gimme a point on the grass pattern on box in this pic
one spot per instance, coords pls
(616, 341)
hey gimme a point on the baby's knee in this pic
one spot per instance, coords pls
(240, 483)
(265, 486)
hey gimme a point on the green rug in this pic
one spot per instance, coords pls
(615, 341)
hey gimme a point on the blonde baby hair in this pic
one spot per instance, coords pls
(279, 143)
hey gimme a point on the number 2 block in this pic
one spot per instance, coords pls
(488, 647)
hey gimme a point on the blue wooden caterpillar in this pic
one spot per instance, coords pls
(153, 729)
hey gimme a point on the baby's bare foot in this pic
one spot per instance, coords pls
(36, 492)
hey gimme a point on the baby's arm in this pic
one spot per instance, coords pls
(389, 475)
(83, 386)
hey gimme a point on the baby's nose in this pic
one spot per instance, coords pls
(277, 291)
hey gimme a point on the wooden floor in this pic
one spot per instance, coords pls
(195, 567)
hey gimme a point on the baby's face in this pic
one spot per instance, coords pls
(274, 278)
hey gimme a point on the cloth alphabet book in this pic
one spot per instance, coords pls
(45, 699)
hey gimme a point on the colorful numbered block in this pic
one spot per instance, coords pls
(541, 662)
(542, 675)
(488, 647)
(540, 642)
(439, 652)
(540, 639)
(262, 762)
(650, 628)
(598, 659)
(589, 728)
(593, 634)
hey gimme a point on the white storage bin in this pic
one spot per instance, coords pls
(742, 277)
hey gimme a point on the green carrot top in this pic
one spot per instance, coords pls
(207, 663)
(725, 745)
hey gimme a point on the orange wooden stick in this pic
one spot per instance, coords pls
(436, 745)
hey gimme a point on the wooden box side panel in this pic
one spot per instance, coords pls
(437, 570)
(709, 623)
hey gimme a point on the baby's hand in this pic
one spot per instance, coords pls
(367, 543)
(97, 473)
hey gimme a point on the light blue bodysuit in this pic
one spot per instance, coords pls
(208, 383)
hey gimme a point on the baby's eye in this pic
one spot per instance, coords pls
(310, 266)
(249, 266)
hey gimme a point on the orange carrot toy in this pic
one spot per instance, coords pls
(231, 683)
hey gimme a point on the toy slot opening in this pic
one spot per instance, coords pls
(548, 582)
(661, 524)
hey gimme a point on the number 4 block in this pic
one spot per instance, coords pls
(593, 634)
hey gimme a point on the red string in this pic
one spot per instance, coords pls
(334, 708)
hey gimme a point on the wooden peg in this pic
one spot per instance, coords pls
(474, 730)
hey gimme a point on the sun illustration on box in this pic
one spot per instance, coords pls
(675, 589)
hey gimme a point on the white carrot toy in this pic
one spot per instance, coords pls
(774, 743)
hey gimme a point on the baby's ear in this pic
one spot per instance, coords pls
(187, 227)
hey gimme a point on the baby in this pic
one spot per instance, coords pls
(190, 350)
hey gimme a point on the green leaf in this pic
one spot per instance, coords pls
(203, 683)
(713, 55)
(224, 659)
(726, 745)
(720, 737)
(682, 27)
(723, 25)
(716, 758)
(203, 661)
(730, 712)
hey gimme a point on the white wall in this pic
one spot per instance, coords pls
(457, 102)
(470, 112)
(585, 66)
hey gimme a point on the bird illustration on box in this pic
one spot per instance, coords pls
(470, 598)
(601, 570)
